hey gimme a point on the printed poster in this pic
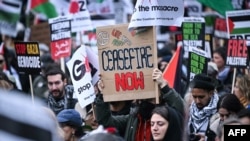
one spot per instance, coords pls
(60, 37)
(237, 53)
(80, 73)
(157, 13)
(28, 57)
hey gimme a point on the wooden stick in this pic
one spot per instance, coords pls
(31, 88)
(233, 80)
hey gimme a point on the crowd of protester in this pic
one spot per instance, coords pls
(200, 117)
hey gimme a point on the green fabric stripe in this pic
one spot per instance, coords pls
(9, 17)
(47, 9)
(241, 30)
(221, 6)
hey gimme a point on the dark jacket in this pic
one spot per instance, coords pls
(128, 123)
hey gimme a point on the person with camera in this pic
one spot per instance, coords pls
(60, 93)
(202, 108)
(136, 126)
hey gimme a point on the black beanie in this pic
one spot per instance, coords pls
(202, 81)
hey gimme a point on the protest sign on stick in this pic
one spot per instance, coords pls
(28, 59)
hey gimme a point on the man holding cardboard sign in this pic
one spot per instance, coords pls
(136, 125)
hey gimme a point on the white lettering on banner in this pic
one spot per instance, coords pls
(60, 35)
(197, 51)
(28, 61)
(60, 25)
(192, 43)
(237, 61)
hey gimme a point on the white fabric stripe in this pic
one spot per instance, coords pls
(242, 24)
(9, 8)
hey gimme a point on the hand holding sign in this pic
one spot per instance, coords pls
(100, 85)
(158, 77)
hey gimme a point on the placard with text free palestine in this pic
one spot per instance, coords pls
(237, 53)
(126, 62)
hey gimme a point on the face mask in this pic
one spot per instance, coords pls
(145, 109)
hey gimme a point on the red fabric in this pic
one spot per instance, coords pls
(111, 130)
(143, 130)
(35, 3)
(169, 73)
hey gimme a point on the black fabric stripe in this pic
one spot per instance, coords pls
(103, 17)
(11, 4)
(240, 18)
(24, 130)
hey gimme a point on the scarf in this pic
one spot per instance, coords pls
(243, 101)
(199, 119)
(222, 76)
(143, 132)
(57, 106)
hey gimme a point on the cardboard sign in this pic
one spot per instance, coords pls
(237, 54)
(127, 62)
(40, 33)
(28, 57)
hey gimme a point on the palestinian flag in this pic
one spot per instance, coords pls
(239, 24)
(10, 10)
(220, 6)
(44, 7)
(172, 72)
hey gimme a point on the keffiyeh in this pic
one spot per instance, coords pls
(199, 118)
